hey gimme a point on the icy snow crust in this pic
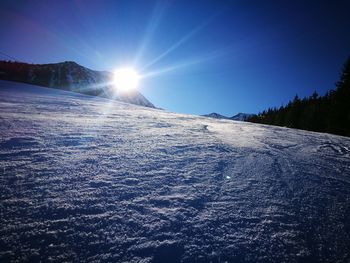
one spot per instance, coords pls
(88, 179)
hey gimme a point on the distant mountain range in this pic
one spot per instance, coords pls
(237, 117)
(69, 76)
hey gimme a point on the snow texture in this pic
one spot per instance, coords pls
(86, 179)
(215, 115)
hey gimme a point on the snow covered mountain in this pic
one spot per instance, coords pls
(241, 116)
(237, 117)
(86, 179)
(69, 76)
(216, 116)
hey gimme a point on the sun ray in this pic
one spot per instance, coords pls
(180, 42)
(185, 64)
(152, 26)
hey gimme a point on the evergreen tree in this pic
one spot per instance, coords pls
(329, 113)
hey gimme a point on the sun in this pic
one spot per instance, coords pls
(125, 79)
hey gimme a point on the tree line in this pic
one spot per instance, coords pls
(329, 113)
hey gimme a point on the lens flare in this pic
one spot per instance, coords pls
(126, 79)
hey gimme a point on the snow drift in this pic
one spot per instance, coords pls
(89, 179)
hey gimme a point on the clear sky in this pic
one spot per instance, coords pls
(199, 56)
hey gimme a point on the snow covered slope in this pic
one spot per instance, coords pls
(87, 179)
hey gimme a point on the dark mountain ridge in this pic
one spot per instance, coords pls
(70, 76)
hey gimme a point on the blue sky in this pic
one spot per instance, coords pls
(200, 56)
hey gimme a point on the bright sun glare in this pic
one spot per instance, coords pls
(126, 79)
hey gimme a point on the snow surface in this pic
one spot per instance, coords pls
(88, 179)
(215, 116)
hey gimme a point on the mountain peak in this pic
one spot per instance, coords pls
(71, 63)
(69, 75)
(215, 116)
(238, 117)
(241, 116)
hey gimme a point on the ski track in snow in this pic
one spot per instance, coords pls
(88, 179)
